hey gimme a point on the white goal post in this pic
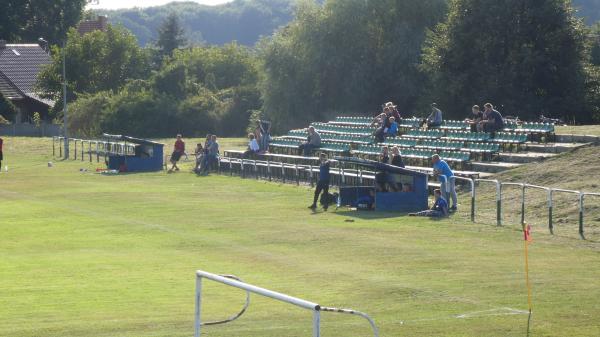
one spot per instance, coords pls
(228, 280)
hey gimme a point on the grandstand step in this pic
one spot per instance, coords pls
(524, 157)
(564, 138)
(492, 167)
(554, 147)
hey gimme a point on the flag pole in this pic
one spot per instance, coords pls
(527, 239)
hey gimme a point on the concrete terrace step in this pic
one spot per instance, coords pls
(524, 157)
(565, 138)
(492, 167)
(554, 147)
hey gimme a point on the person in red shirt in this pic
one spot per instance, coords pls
(1, 141)
(178, 151)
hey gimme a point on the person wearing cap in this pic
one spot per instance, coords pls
(435, 117)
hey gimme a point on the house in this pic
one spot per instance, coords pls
(20, 65)
(88, 26)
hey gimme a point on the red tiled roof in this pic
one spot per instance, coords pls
(89, 26)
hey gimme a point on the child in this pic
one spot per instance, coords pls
(323, 183)
(439, 208)
(393, 129)
(253, 147)
(199, 152)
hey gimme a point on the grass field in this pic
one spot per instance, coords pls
(84, 254)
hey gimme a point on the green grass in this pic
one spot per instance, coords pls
(84, 254)
(591, 130)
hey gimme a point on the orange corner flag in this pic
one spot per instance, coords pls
(527, 233)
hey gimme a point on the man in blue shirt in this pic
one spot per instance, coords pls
(439, 208)
(441, 168)
(323, 183)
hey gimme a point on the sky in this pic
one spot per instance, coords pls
(114, 4)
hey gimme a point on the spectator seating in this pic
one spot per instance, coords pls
(339, 129)
(422, 134)
(409, 123)
(440, 145)
(454, 125)
(354, 121)
(510, 138)
(466, 136)
(400, 142)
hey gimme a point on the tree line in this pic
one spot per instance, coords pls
(339, 57)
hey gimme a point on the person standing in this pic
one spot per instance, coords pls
(323, 183)
(264, 135)
(213, 153)
(178, 151)
(441, 168)
(1, 156)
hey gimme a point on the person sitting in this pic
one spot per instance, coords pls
(492, 120)
(394, 111)
(397, 157)
(365, 202)
(178, 151)
(475, 118)
(439, 208)
(393, 129)
(434, 119)
(313, 141)
(381, 176)
(199, 153)
(253, 147)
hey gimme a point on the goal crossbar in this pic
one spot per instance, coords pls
(249, 288)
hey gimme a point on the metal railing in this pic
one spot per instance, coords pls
(249, 288)
(99, 148)
(347, 175)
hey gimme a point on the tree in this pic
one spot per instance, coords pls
(97, 61)
(526, 57)
(28, 20)
(170, 35)
(346, 56)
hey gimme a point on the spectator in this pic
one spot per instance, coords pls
(199, 153)
(439, 208)
(253, 147)
(441, 168)
(492, 120)
(435, 118)
(365, 202)
(212, 155)
(178, 151)
(313, 141)
(323, 183)
(381, 177)
(264, 135)
(393, 129)
(397, 157)
(1, 155)
(394, 111)
(476, 117)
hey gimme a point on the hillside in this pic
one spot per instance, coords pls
(242, 20)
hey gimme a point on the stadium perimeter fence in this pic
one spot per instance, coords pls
(567, 212)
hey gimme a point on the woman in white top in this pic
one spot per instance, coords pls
(253, 147)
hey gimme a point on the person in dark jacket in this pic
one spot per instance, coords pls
(323, 183)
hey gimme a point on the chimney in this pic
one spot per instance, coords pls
(2, 44)
(103, 21)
